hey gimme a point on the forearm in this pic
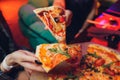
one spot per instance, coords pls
(6, 64)
(60, 3)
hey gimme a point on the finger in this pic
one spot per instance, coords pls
(68, 15)
(32, 66)
(60, 3)
(30, 59)
(27, 52)
(28, 71)
(25, 57)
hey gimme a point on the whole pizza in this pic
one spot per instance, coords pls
(100, 63)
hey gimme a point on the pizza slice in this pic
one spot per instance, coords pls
(58, 54)
(53, 18)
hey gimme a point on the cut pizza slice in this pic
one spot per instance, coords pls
(53, 18)
(58, 54)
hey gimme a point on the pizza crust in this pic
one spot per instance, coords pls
(38, 55)
(106, 49)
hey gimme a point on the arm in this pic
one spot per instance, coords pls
(60, 3)
(23, 58)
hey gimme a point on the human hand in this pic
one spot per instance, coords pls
(25, 59)
(60, 3)
(68, 15)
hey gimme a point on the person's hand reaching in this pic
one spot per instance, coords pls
(23, 58)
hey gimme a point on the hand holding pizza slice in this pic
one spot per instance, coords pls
(58, 54)
(53, 18)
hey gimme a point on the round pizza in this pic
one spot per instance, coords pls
(100, 63)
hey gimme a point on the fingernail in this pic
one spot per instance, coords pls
(38, 62)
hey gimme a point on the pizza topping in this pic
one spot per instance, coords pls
(53, 20)
(57, 28)
(87, 63)
(99, 62)
(61, 19)
(57, 59)
(75, 53)
(56, 19)
(89, 60)
(108, 71)
(60, 51)
(107, 65)
(41, 13)
(115, 67)
(50, 26)
(47, 19)
(94, 55)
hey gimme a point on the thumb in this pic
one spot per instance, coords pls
(68, 15)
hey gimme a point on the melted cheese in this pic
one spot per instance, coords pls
(109, 56)
(51, 59)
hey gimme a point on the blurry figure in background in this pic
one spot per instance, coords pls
(77, 11)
